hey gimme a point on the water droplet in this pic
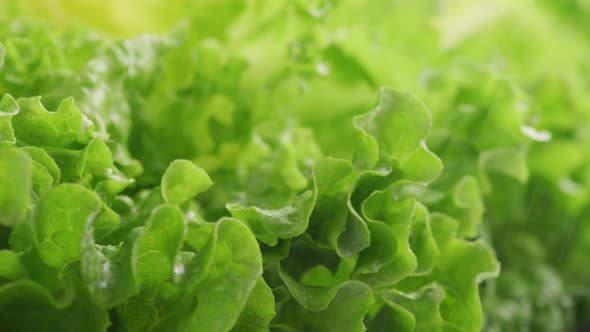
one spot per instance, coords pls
(322, 69)
(191, 216)
(179, 269)
(106, 274)
(568, 186)
(536, 135)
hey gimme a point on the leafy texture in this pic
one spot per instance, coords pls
(236, 165)
(16, 181)
(182, 181)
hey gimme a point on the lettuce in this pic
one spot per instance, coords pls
(292, 166)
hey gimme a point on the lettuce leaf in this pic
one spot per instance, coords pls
(224, 166)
